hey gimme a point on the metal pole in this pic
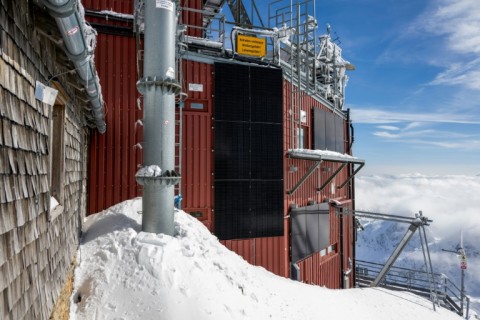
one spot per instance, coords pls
(468, 308)
(408, 235)
(159, 87)
(433, 289)
(299, 76)
(460, 251)
(462, 292)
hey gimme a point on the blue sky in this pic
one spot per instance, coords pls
(415, 93)
(415, 96)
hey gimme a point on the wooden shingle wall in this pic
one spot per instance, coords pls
(36, 249)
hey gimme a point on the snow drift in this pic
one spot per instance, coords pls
(124, 273)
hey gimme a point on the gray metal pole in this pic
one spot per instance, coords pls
(159, 87)
(462, 292)
(299, 77)
(408, 235)
(428, 267)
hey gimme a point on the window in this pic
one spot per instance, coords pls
(303, 138)
(57, 160)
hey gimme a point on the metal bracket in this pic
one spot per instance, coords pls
(169, 178)
(172, 86)
(331, 177)
(302, 180)
(353, 175)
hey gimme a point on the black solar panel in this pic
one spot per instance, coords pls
(266, 151)
(232, 142)
(248, 152)
(232, 88)
(266, 95)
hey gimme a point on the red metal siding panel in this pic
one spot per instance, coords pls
(244, 248)
(120, 6)
(114, 160)
(114, 157)
(197, 179)
(271, 254)
(315, 269)
(198, 73)
(192, 19)
(197, 142)
(324, 271)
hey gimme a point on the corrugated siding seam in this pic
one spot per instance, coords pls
(120, 6)
(114, 155)
(320, 270)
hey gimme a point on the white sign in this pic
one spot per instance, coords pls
(45, 93)
(303, 116)
(198, 87)
(164, 4)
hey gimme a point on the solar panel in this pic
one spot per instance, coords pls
(248, 159)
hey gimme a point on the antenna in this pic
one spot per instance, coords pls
(336, 39)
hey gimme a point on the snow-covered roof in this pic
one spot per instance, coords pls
(325, 155)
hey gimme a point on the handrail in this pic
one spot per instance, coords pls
(415, 281)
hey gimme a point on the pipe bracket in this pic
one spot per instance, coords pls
(60, 10)
(169, 178)
(171, 85)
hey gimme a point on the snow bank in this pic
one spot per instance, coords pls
(127, 274)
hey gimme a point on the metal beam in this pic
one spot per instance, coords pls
(331, 177)
(406, 238)
(239, 12)
(351, 177)
(305, 177)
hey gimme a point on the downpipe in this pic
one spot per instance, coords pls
(70, 25)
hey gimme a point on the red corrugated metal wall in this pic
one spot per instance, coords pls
(315, 269)
(120, 6)
(321, 270)
(114, 156)
(192, 18)
(270, 252)
(197, 141)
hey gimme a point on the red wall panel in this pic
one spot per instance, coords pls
(321, 270)
(114, 159)
(114, 155)
(120, 6)
(270, 253)
(193, 19)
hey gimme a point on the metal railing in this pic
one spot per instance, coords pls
(415, 281)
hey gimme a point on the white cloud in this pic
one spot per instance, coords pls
(452, 202)
(389, 128)
(465, 144)
(467, 74)
(384, 116)
(458, 24)
(458, 21)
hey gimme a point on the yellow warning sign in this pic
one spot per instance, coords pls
(251, 46)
